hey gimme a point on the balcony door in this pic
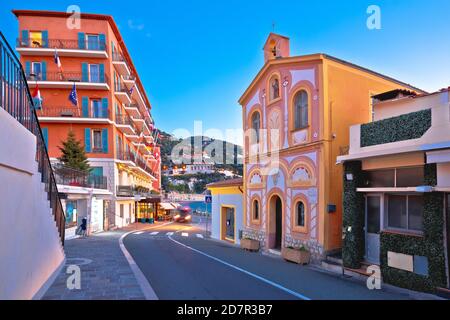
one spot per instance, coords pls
(93, 42)
(94, 73)
(374, 209)
(96, 109)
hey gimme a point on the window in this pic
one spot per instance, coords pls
(256, 124)
(97, 140)
(396, 178)
(274, 88)
(94, 73)
(300, 214)
(405, 212)
(255, 210)
(36, 69)
(96, 108)
(35, 39)
(92, 42)
(301, 110)
(122, 209)
(71, 214)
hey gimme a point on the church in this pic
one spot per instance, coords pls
(296, 117)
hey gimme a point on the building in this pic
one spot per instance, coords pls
(227, 209)
(296, 114)
(396, 195)
(112, 117)
(202, 167)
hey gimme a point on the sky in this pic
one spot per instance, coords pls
(196, 57)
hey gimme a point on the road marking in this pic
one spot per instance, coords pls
(146, 288)
(184, 234)
(274, 284)
(154, 233)
(138, 233)
(199, 236)
(169, 234)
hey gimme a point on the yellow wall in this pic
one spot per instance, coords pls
(347, 102)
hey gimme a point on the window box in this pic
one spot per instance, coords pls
(300, 256)
(250, 244)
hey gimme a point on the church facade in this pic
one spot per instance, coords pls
(296, 115)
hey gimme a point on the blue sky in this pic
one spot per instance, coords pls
(197, 57)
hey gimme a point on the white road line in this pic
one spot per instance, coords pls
(146, 288)
(276, 285)
(138, 233)
(154, 233)
(184, 234)
(169, 234)
(199, 236)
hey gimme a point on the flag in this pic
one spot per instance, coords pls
(73, 95)
(57, 60)
(37, 99)
(131, 90)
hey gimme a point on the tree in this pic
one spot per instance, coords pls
(73, 154)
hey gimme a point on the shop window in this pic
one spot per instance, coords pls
(381, 179)
(410, 177)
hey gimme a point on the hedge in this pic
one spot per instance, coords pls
(353, 217)
(405, 127)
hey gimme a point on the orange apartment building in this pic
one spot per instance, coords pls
(112, 118)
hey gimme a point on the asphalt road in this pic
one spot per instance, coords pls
(181, 264)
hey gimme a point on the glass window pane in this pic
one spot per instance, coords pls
(97, 139)
(93, 42)
(256, 210)
(410, 177)
(397, 212)
(96, 109)
(415, 213)
(381, 178)
(94, 73)
(300, 214)
(373, 214)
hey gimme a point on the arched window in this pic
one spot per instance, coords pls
(300, 214)
(301, 110)
(255, 210)
(256, 124)
(274, 88)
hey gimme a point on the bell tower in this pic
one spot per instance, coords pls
(277, 46)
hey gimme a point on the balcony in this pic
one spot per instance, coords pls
(65, 80)
(133, 110)
(121, 64)
(123, 94)
(125, 124)
(74, 178)
(131, 191)
(128, 80)
(66, 48)
(73, 114)
(137, 163)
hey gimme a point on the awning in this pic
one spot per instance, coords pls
(166, 206)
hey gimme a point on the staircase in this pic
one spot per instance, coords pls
(15, 99)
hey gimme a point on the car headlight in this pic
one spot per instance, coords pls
(177, 216)
(188, 217)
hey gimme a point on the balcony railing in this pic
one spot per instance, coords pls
(138, 161)
(68, 77)
(124, 119)
(131, 191)
(118, 57)
(72, 112)
(16, 99)
(62, 44)
(76, 178)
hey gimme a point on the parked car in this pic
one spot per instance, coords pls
(183, 215)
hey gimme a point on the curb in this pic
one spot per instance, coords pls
(146, 288)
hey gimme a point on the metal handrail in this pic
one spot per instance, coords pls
(60, 44)
(66, 76)
(15, 98)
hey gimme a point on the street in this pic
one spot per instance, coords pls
(181, 264)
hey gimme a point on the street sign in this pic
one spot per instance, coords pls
(208, 199)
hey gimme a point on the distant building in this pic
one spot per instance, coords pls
(397, 190)
(227, 210)
(199, 168)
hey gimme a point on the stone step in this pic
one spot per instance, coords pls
(335, 260)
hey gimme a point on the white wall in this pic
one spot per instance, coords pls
(128, 216)
(224, 200)
(30, 250)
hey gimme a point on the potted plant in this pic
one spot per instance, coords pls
(297, 255)
(249, 244)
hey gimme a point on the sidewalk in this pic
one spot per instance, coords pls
(105, 272)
